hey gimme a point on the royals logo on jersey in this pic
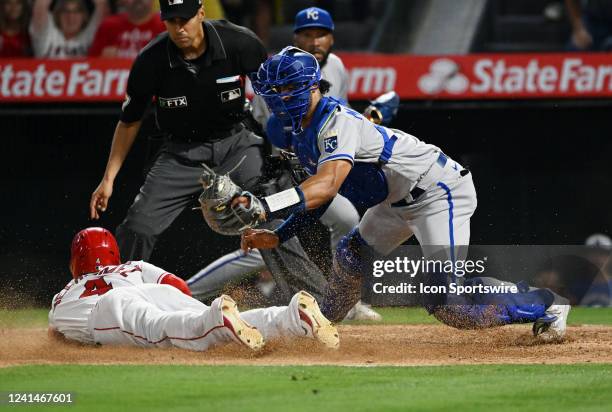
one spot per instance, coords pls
(330, 141)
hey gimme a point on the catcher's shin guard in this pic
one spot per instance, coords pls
(483, 310)
(487, 316)
(344, 285)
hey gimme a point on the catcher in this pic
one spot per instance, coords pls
(283, 171)
(409, 188)
(290, 271)
(136, 303)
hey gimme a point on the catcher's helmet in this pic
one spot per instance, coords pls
(92, 248)
(285, 82)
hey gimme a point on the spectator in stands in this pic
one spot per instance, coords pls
(14, 38)
(254, 14)
(314, 32)
(263, 20)
(584, 276)
(66, 32)
(124, 34)
(214, 9)
(238, 11)
(600, 254)
(591, 22)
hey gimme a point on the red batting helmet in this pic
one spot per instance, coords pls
(92, 248)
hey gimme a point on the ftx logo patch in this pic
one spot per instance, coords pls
(174, 2)
(173, 102)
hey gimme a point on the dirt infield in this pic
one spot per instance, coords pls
(360, 345)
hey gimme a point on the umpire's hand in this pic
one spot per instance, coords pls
(99, 199)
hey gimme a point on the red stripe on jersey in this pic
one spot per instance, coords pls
(161, 340)
(162, 276)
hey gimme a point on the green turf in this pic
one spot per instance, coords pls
(590, 316)
(410, 316)
(229, 388)
(400, 316)
(578, 316)
(584, 387)
(23, 318)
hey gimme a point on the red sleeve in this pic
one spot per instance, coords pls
(160, 27)
(102, 39)
(170, 279)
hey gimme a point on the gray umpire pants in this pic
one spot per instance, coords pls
(173, 184)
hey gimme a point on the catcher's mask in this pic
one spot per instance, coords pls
(91, 249)
(285, 81)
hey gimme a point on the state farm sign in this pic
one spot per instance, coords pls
(490, 76)
(371, 80)
(486, 76)
(49, 80)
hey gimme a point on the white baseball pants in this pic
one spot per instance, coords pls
(162, 316)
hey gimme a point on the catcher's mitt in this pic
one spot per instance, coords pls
(216, 204)
(384, 109)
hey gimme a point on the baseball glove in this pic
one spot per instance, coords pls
(383, 109)
(216, 204)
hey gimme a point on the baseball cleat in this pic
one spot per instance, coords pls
(551, 327)
(321, 328)
(362, 311)
(241, 331)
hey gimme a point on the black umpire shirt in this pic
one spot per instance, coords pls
(198, 99)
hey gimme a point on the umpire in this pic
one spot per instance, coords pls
(195, 74)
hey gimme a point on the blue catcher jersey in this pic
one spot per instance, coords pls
(387, 163)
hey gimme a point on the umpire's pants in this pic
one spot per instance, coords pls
(172, 184)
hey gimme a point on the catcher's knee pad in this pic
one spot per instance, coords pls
(344, 285)
(351, 252)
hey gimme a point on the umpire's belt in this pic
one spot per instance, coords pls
(427, 179)
(210, 136)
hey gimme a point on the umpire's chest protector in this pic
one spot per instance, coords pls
(194, 99)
